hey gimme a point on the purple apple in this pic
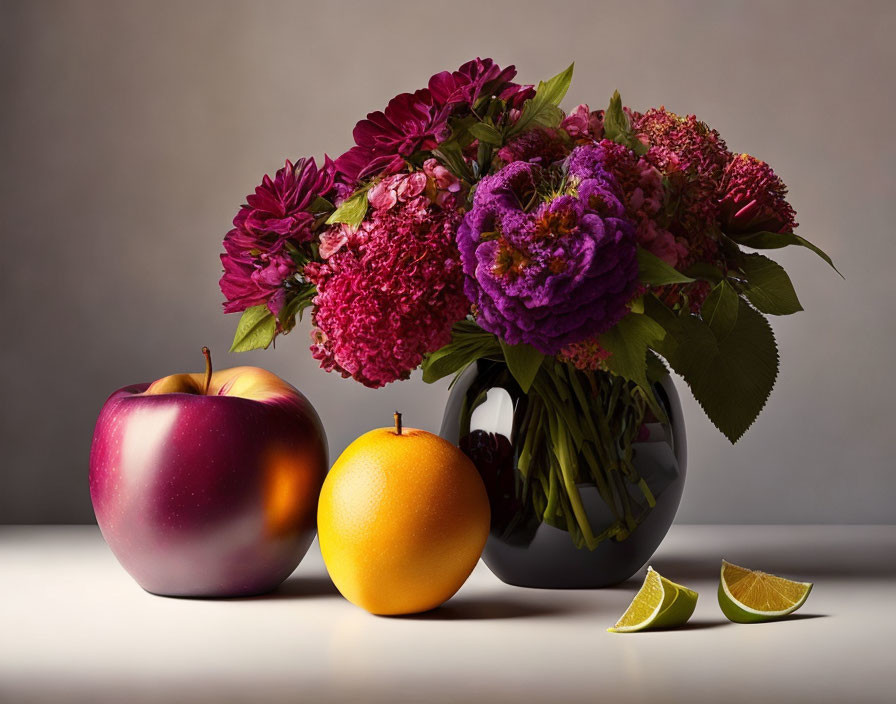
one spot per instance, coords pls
(207, 484)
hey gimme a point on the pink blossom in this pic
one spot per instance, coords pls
(442, 177)
(582, 123)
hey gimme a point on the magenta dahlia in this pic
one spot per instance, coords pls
(753, 198)
(475, 79)
(411, 122)
(414, 122)
(277, 213)
(390, 291)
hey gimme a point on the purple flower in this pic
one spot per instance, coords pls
(548, 272)
(279, 212)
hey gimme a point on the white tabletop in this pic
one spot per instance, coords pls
(75, 627)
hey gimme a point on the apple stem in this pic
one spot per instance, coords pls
(397, 423)
(208, 369)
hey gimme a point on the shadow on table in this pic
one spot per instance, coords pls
(496, 607)
(298, 587)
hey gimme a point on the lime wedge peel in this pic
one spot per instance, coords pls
(750, 596)
(660, 603)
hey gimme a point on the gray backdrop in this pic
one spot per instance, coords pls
(131, 132)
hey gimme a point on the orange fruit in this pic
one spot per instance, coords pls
(402, 520)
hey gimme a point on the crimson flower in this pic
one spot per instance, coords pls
(278, 212)
(414, 122)
(753, 198)
(475, 79)
(411, 122)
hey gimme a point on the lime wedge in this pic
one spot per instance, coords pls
(749, 596)
(660, 603)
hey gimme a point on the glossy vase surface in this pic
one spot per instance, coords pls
(484, 415)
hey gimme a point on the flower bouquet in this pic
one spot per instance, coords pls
(583, 251)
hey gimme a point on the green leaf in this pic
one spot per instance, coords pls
(769, 287)
(446, 361)
(616, 122)
(468, 343)
(705, 271)
(618, 128)
(628, 342)
(294, 307)
(720, 310)
(452, 156)
(731, 378)
(523, 362)
(542, 108)
(320, 205)
(776, 240)
(256, 329)
(687, 337)
(656, 368)
(352, 211)
(487, 133)
(654, 271)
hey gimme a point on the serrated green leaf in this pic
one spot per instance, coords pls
(352, 210)
(769, 287)
(523, 362)
(487, 134)
(628, 342)
(777, 240)
(720, 310)
(730, 378)
(654, 271)
(656, 368)
(542, 109)
(256, 329)
(687, 338)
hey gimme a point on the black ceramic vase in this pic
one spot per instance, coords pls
(486, 415)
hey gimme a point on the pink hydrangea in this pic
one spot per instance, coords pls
(390, 291)
(753, 198)
(645, 201)
(692, 157)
